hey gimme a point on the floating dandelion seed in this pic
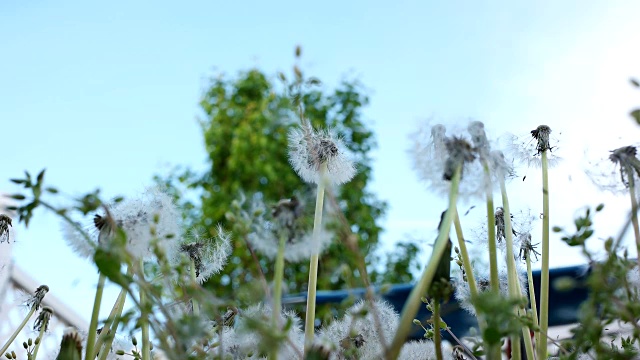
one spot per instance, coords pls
(309, 149)
(5, 223)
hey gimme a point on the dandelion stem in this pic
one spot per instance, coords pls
(491, 223)
(194, 302)
(277, 290)
(437, 338)
(512, 276)
(413, 302)
(532, 296)
(466, 262)
(112, 322)
(528, 344)
(93, 324)
(15, 333)
(634, 208)
(144, 320)
(45, 323)
(309, 324)
(544, 275)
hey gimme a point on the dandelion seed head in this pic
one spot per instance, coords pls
(245, 341)
(35, 300)
(266, 231)
(541, 134)
(479, 138)
(612, 173)
(358, 321)
(43, 319)
(5, 224)
(151, 218)
(423, 349)
(309, 149)
(524, 150)
(209, 254)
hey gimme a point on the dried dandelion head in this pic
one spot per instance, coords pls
(615, 172)
(42, 321)
(208, 254)
(528, 150)
(309, 149)
(35, 300)
(541, 134)
(5, 224)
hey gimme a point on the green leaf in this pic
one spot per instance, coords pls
(109, 264)
(40, 176)
(51, 190)
(18, 181)
(636, 115)
(18, 197)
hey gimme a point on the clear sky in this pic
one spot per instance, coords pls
(105, 95)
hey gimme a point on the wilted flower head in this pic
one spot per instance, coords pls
(284, 219)
(358, 328)
(309, 149)
(209, 255)
(150, 217)
(42, 321)
(5, 223)
(251, 339)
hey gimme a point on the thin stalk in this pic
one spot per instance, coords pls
(544, 274)
(413, 302)
(93, 325)
(39, 339)
(466, 262)
(512, 276)
(309, 324)
(528, 344)
(491, 223)
(194, 280)
(532, 297)
(144, 320)
(15, 333)
(112, 320)
(277, 291)
(437, 338)
(634, 208)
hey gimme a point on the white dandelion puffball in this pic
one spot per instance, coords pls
(209, 255)
(309, 149)
(150, 217)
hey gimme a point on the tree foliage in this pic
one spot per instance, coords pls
(245, 121)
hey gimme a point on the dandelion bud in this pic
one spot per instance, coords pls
(120, 352)
(134, 341)
(24, 344)
(70, 346)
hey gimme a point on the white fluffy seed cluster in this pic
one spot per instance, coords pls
(209, 254)
(309, 149)
(147, 218)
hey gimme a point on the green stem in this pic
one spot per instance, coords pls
(512, 276)
(39, 339)
(466, 262)
(532, 297)
(309, 324)
(528, 344)
(93, 325)
(15, 333)
(111, 320)
(106, 335)
(144, 320)
(277, 291)
(413, 302)
(544, 275)
(491, 232)
(436, 329)
(634, 208)
(194, 302)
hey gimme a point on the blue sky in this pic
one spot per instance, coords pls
(105, 95)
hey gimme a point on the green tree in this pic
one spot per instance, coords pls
(245, 123)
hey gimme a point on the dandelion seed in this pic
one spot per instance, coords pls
(209, 255)
(5, 223)
(309, 149)
(423, 349)
(148, 220)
